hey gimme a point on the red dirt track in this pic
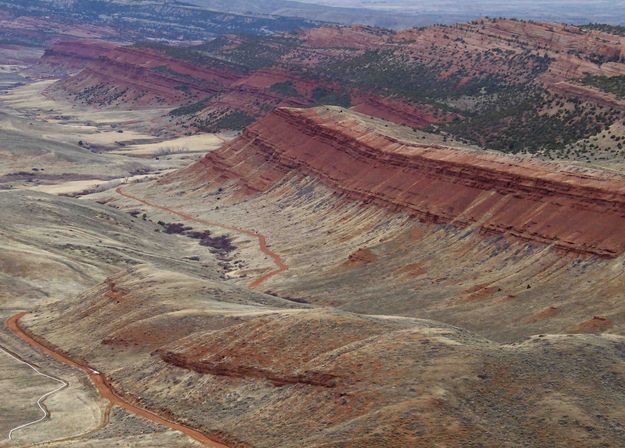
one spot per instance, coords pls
(262, 240)
(103, 388)
(99, 380)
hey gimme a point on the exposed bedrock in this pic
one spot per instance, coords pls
(142, 77)
(574, 209)
(71, 56)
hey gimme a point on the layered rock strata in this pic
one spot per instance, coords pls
(578, 210)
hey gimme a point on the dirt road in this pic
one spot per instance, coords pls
(40, 400)
(102, 386)
(99, 380)
(281, 266)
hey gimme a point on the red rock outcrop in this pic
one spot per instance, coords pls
(72, 56)
(140, 76)
(361, 37)
(591, 94)
(597, 324)
(310, 378)
(266, 78)
(572, 51)
(249, 356)
(574, 209)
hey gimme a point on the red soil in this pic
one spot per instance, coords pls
(597, 324)
(412, 270)
(361, 257)
(103, 387)
(545, 314)
(481, 293)
(262, 240)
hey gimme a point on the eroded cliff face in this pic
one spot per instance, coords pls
(135, 77)
(574, 209)
(513, 50)
(67, 57)
(572, 51)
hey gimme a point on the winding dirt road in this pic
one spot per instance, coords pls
(98, 379)
(44, 410)
(102, 386)
(281, 266)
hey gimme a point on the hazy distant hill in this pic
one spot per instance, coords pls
(407, 13)
(573, 11)
(191, 19)
(133, 20)
(327, 13)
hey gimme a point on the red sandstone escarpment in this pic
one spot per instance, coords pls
(588, 93)
(507, 49)
(140, 77)
(556, 37)
(572, 52)
(575, 210)
(71, 56)
(361, 37)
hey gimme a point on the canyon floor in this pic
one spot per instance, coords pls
(322, 279)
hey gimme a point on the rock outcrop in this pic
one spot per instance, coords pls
(575, 209)
(138, 77)
(236, 79)
(71, 56)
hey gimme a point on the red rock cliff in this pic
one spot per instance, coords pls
(139, 76)
(72, 56)
(574, 209)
